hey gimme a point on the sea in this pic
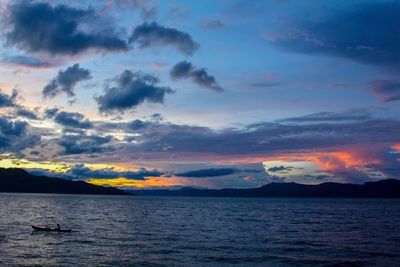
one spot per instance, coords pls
(198, 231)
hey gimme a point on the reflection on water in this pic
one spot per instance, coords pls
(162, 231)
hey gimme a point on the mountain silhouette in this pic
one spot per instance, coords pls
(20, 181)
(381, 189)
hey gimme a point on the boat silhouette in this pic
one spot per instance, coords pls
(48, 229)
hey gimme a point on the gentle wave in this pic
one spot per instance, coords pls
(162, 231)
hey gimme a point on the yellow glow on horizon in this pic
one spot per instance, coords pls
(150, 181)
(8, 161)
(23, 163)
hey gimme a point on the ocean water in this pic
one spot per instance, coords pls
(184, 231)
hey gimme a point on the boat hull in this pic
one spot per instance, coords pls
(47, 229)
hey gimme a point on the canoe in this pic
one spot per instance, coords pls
(48, 229)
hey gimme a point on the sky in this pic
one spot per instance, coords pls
(208, 94)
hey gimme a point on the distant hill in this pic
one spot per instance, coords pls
(18, 180)
(380, 189)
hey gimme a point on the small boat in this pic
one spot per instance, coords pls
(48, 229)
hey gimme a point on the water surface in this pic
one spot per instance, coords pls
(182, 231)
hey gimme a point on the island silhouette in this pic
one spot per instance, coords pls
(389, 188)
(20, 181)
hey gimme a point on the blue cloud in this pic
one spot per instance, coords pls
(208, 172)
(132, 89)
(58, 30)
(66, 80)
(186, 70)
(154, 35)
(8, 100)
(72, 119)
(366, 33)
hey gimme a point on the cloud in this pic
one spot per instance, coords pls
(280, 169)
(386, 90)
(212, 24)
(27, 61)
(50, 112)
(137, 124)
(65, 81)
(58, 30)
(330, 117)
(365, 33)
(154, 35)
(152, 123)
(16, 136)
(342, 145)
(8, 100)
(177, 12)
(264, 84)
(348, 146)
(82, 143)
(146, 11)
(332, 131)
(10, 129)
(208, 172)
(80, 171)
(26, 113)
(72, 119)
(132, 89)
(186, 70)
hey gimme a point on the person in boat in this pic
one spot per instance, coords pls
(58, 227)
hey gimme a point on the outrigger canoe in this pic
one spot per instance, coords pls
(48, 229)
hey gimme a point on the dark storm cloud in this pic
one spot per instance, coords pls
(11, 129)
(154, 35)
(27, 61)
(153, 123)
(279, 169)
(58, 30)
(212, 24)
(80, 171)
(266, 138)
(330, 117)
(386, 90)
(72, 119)
(8, 100)
(16, 135)
(311, 133)
(132, 89)
(82, 143)
(366, 33)
(213, 172)
(186, 70)
(26, 113)
(137, 124)
(50, 112)
(65, 81)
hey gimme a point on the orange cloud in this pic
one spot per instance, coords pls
(396, 147)
(333, 161)
(329, 161)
